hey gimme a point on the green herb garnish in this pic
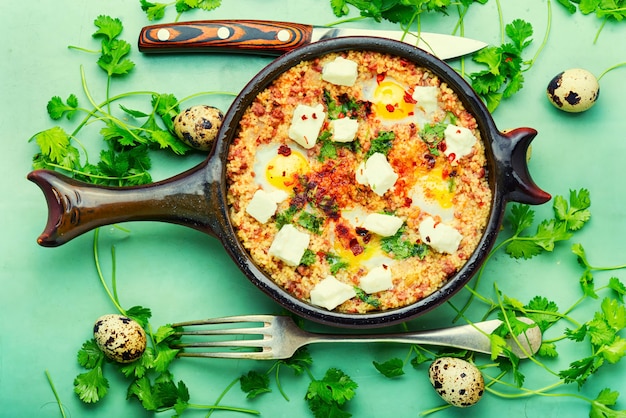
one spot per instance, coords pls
(369, 299)
(336, 263)
(400, 247)
(382, 143)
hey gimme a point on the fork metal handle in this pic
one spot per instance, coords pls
(473, 337)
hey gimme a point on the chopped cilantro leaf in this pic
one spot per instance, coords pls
(326, 397)
(401, 248)
(308, 258)
(382, 143)
(254, 383)
(369, 299)
(390, 368)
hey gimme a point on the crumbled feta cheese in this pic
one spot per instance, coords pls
(381, 224)
(306, 124)
(344, 130)
(426, 98)
(330, 293)
(341, 71)
(377, 280)
(289, 245)
(459, 141)
(263, 204)
(439, 236)
(377, 173)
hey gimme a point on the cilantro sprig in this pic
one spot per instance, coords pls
(504, 75)
(614, 10)
(156, 11)
(567, 219)
(130, 135)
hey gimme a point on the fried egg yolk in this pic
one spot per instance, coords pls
(367, 255)
(434, 193)
(438, 188)
(278, 168)
(391, 101)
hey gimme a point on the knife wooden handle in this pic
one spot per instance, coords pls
(252, 36)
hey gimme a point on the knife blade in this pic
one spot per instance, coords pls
(275, 38)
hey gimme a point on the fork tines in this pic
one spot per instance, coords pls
(226, 333)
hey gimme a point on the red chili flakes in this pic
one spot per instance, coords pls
(284, 150)
(380, 77)
(451, 157)
(304, 117)
(390, 108)
(430, 160)
(314, 115)
(408, 98)
(355, 247)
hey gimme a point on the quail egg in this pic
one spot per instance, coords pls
(120, 338)
(457, 381)
(574, 90)
(198, 126)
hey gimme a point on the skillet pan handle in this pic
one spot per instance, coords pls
(510, 150)
(75, 207)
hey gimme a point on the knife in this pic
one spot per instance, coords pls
(275, 38)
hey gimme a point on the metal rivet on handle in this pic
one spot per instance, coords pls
(163, 35)
(283, 35)
(223, 32)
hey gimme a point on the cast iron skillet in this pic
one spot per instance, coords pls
(197, 197)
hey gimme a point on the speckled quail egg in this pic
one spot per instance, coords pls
(120, 338)
(574, 90)
(198, 126)
(457, 381)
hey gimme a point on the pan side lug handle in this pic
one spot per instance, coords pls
(512, 155)
(76, 207)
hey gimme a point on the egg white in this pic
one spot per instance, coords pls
(264, 157)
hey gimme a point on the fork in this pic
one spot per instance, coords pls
(279, 337)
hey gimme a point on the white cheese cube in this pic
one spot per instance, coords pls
(341, 71)
(306, 124)
(379, 173)
(359, 174)
(262, 206)
(344, 130)
(439, 236)
(289, 245)
(426, 98)
(377, 280)
(330, 293)
(459, 141)
(381, 224)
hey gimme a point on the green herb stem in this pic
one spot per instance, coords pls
(545, 37)
(221, 396)
(213, 408)
(56, 394)
(96, 257)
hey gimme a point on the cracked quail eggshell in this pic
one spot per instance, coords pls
(120, 338)
(457, 381)
(574, 90)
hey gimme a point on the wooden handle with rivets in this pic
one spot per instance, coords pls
(241, 36)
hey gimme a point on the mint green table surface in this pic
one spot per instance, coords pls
(49, 298)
